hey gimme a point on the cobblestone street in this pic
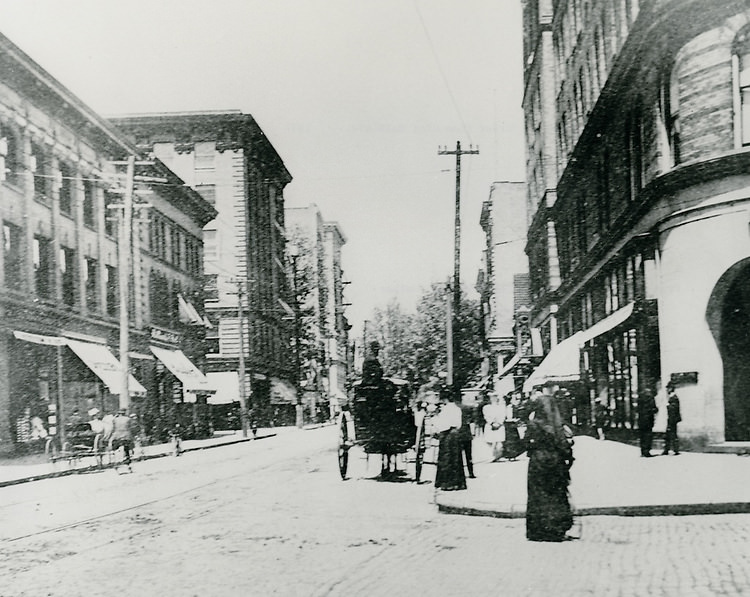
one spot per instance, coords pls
(273, 518)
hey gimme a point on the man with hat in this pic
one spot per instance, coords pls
(122, 434)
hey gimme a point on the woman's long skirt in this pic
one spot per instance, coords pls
(548, 512)
(450, 466)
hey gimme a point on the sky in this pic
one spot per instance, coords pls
(356, 96)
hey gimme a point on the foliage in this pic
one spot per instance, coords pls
(414, 344)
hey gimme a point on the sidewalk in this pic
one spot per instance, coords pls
(610, 478)
(36, 466)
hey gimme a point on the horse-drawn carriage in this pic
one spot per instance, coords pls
(80, 440)
(379, 418)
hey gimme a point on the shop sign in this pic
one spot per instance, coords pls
(163, 335)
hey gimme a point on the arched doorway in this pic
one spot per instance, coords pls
(728, 316)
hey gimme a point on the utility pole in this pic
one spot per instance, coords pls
(126, 225)
(126, 256)
(299, 409)
(241, 358)
(458, 152)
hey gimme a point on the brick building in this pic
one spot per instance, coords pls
(637, 136)
(227, 158)
(60, 267)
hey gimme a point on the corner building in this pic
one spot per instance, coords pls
(638, 137)
(60, 268)
(226, 157)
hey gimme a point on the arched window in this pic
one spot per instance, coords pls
(741, 71)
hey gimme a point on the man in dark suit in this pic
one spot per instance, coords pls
(647, 410)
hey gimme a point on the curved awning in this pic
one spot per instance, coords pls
(562, 363)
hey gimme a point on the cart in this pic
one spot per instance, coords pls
(379, 419)
(80, 441)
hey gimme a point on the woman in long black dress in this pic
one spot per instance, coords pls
(450, 466)
(548, 512)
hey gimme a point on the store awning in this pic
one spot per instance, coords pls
(227, 386)
(504, 382)
(562, 363)
(180, 366)
(282, 392)
(103, 363)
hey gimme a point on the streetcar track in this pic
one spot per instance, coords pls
(161, 499)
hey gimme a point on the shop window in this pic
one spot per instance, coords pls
(42, 259)
(13, 254)
(67, 269)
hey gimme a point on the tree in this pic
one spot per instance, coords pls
(414, 345)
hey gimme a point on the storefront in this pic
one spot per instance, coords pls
(57, 380)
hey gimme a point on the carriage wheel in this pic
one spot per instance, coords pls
(343, 452)
(52, 449)
(420, 447)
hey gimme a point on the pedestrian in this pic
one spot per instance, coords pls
(647, 410)
(95, 421)
(450, 467)
(122, 435)
(601, 417)
(494, 430)
(671, 441)
(548, 512)
(467, 435)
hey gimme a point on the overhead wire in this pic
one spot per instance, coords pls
(442, 71)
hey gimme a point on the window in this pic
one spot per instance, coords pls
(635, 154)
(41, 169)
(208, 192)
(741, 61)
(67, 269)
(110, 219)
(112, 288)
(89, 204)
(92, 298)
(42, 259)
(176, 247)
(13, 256)
(65, 183)
(9, 156)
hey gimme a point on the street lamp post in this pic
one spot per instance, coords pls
(299, 409)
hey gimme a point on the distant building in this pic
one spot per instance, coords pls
(503, 284)
(323, 241)
(227, 158)
(60, 274)
(639, 194)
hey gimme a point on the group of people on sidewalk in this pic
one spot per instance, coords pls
(548, 441)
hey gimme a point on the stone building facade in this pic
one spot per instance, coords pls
(60, 273)
(226, 157)
(638, 242)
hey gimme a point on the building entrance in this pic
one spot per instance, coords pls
(731, 299)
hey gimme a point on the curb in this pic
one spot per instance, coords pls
(94, 468)
(639, 510)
